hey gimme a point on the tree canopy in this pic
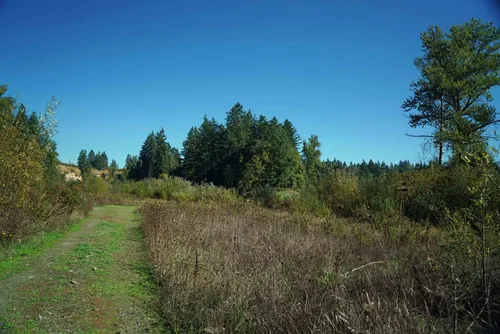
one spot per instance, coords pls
(155, 159)
(91, 160)
(246, 152)
(453, 93)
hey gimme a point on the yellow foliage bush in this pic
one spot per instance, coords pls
(21, 173)
(341, 192)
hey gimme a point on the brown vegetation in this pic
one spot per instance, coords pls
(241, 268)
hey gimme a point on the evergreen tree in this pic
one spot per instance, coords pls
(128, 162)
(453, 93)
(175, 161)
(247, 152)
(374, 168)
(212, 152)
(239, 125)
(98, 161)
(133, 167)
(311, 157)
(147, 157)
(292, 132)
(275, 161)
(91, 158)
(163, 161)
(285, 158)
(104, 160)
(191, 151)
(83, 162)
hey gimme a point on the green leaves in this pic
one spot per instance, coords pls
(156, 158)
(311, 157)
(83, 162)
(28, 167)
(452, 94)
(246, 152)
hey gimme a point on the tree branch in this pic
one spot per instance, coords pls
(419, 136)
(477, 128)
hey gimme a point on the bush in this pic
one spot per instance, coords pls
(380, 194)
(340, 191)
(435, 191)
(30, 201)
(308, 201)
(209, 192)
(176, 189)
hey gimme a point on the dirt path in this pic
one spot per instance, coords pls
(94, 280)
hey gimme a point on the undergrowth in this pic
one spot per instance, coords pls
(243, 268)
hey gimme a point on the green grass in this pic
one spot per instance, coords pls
(85, 281)
(14, 256)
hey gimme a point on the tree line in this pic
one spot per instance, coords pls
(247, 152)
(452, 96)
(155, 159)
(87, 161)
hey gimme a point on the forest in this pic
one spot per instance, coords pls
(250, 230)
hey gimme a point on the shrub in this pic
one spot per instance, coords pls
(21, 182)
(340, 191)
(209, 192)
(31, 200)
(308, 201)
(380, 194)
(175, 189)
(433, 191)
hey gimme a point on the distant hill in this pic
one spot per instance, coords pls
(72, 172)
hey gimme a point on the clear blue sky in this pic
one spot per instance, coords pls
(339, 69)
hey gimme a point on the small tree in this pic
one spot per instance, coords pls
(92, 158)
(113, 168)
(148, 156)
(132, 164)
(83, 162)
(311, 157)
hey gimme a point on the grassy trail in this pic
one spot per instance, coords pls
(94, 279)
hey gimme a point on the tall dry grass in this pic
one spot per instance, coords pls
(241, 268)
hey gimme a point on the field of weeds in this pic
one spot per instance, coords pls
(242, 268)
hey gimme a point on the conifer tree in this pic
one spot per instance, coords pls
(453, 93)
(83, 162)
(91, 158)
(311, 157)
(147, 157)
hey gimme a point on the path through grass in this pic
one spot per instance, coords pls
(93, 279)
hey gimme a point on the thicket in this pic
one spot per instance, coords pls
(33, 194)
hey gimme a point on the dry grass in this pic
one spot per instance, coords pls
(241, 268)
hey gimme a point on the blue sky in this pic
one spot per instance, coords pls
(339, 69)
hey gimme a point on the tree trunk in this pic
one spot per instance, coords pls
(440, 153)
